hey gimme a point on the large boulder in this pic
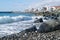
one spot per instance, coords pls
(49, 26)
(38, 20)
(33, 28)
(45, 28)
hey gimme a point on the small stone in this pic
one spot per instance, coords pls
(36, 31)
(59, 38)
(25, 34)
(38, 35)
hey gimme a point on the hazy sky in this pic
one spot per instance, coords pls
(8, 5)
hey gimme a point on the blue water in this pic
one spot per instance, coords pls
(16, 14)
(14, 17)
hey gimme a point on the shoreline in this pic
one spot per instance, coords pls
(23, 35)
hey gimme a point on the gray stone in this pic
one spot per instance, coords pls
(38, 20)
(49, 26)
(33, 28)
(45, 28)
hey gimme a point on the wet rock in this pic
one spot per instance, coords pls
(50, 25)
(51, 17)
(57, 15)
(45, 28)
(57, 27)
(38, 20)
(31, 29)
(46, 18)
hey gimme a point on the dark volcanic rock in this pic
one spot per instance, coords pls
(57, 27)
(31, 29)
(38, 20)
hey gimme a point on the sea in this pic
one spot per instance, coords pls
(11, 23)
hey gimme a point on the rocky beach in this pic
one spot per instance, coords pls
(55, 35)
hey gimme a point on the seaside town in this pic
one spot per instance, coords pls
(44, 9)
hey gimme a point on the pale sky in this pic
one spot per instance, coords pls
(13, 5)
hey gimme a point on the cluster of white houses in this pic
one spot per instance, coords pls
(43, 9)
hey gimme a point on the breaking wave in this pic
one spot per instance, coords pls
(8, 19)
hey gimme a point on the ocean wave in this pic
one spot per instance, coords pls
(8, 19)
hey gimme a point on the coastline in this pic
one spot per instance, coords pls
(23, 35)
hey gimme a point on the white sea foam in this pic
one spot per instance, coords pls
(11, 28)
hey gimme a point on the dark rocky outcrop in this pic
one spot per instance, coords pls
(38, 20)
(45, 28)
(31, 29)
(49, 26)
